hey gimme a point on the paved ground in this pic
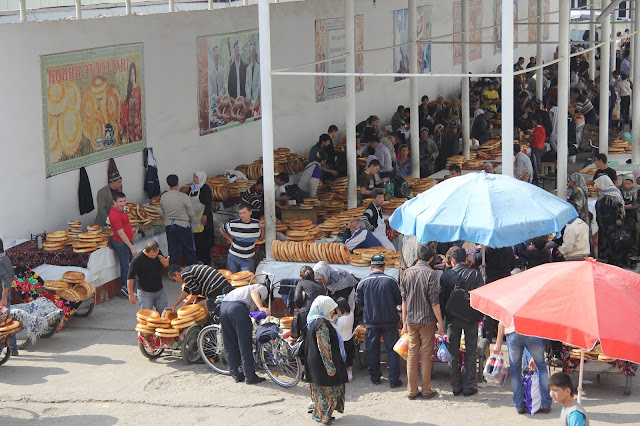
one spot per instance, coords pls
(93, 373)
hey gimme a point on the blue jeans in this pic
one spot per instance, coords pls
(535, 345)
(149, 300)
(236, 334)
(237, 264)
(372, 344)
(124, 257)
(180, 239)
(13, 336)
(536, 156)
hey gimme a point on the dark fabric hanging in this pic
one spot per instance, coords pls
(85, 197)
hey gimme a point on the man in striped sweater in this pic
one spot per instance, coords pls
(242, 234)
(373, 220)
(199, 280)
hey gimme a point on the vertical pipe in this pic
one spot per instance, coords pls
(412, 34)
(632, 42)
(539, 52)
(210, 4)
(464, 116)
(605, 30)
(78, 9)
(635, 118)
(127, 5)
(592, 39)
(171, 6)
(266, 95)
(23, 10)
(563, 98)
(245, 2)
(612, 52)
(350, 98)
(507, 88)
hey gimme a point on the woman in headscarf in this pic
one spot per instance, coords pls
(629, 192)
(339, 282)
(580, 200)
(202, 224)
(306, 293)
(636, 175)
(609, 215)
(325, 361)
(522, 173)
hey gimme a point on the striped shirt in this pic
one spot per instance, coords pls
(244, 236)
(253, 198)
(370, 217)
(203, 280)
(419, 288)
(584, 105)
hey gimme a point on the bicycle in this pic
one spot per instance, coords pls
(275, 356)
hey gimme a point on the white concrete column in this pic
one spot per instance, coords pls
(350, 98)
(210, 4)
(171, 6)
(539, 51)
(464, 116)
(507, 88)
(266, 95)
(592, 39)
(632, 42)
(635, 95)
(605, 30)
(23, 10)
(412, 34)
(127, 5)
(563, 98)
(78, 9)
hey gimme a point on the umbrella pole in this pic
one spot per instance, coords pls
(483, 267)
(580, 376)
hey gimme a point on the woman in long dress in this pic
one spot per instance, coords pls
(609, 215)
(131, 110)
(325, 358)
(580, 200)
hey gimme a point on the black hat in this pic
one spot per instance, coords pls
(453, 123)
(377, 260)
(114, 177)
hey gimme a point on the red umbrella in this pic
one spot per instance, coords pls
(577, 302)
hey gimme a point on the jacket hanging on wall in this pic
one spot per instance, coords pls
(151, 181)
(85, 197)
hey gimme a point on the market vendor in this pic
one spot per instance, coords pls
(282, 199)
(147, 266)
(199, 280)
(6, 282)
(369, 179)
(254, 197)
(237, 330)
(359, 237)
(312, 173)
(122, 237)
(373, 220)
(242, 235)
(104, 199)
(338, 282)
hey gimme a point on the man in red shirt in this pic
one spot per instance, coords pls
(122, 237)
(537, 143)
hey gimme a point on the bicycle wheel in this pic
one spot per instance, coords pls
(278, 361)
(22, 337)
(211, 348)
(51, 329)
(189, 348)
(84, 311)
(148, 353)
(5, 351)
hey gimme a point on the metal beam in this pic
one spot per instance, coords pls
(606, 11)
(604, 85)
(464, 109)
(563, 100)
(539, 52)
(412, 35)
(266, 99)
(635, 118)
(350, 100)
(592, 40)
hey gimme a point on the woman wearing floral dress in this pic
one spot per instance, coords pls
(325, 357)
(609, 215)
(580, 200)
(131, 110)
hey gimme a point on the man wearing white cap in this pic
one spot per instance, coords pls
(237, 73)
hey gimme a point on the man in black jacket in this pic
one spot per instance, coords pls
(481, 130)
(380, 296)
(467, 319)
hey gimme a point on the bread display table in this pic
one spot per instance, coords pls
(295, 212)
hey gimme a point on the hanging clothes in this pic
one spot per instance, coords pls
(85, 197)
(151, 181)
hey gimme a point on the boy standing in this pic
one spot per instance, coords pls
(561, 391)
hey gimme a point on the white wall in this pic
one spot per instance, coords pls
(32, 203)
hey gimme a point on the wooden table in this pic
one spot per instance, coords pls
(295, 212)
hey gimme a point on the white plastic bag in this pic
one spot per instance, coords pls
(488, 368)
(443, 353)
(531, 389)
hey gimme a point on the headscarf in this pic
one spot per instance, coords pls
(334, 279)
(578, 180)
(202, 179)
(636, 175)
(608, 189)
(521, 172)
(321, 308)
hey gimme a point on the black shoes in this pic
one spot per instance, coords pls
(239, 378)
(255, 380)
(418, 395)
(395, 384)
(522, 411)
(545, 410)
(457, 393)
(433, 394)
(473, 392)
(375, 381)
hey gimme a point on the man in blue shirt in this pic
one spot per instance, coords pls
(360, 237)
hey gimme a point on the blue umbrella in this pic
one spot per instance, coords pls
(488, 209)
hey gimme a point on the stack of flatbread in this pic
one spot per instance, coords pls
(75, 228)
(392, 205)
(420, 185)
(302, 251)
(88, 242)
(56, 240)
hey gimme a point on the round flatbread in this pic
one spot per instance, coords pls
(98, 85)
(56, 98)
(70, 130)
(93, 129)
(72, 95)
(88, 105)
(54, 133)
(112, 105)
(184, 324)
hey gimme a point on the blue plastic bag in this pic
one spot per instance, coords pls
(531, 389)
(443, 353)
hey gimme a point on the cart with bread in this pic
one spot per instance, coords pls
(274, 356)
(72, 287)
(595, 362)
(172, 330)
(8, 326)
